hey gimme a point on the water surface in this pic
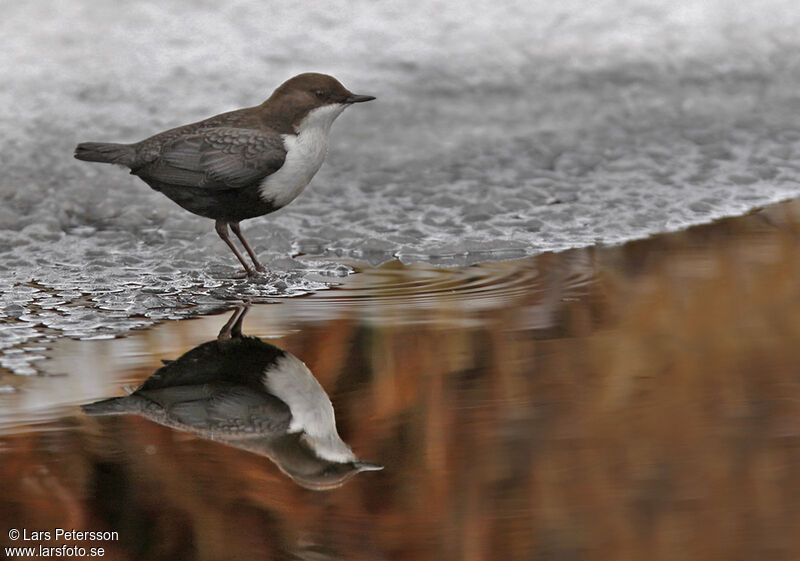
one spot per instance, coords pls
(609, 403)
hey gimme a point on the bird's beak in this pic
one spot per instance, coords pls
(367, 466)
(355, 98)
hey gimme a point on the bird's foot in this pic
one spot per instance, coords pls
(248, 273)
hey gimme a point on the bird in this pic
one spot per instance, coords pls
(240, 164)
(244, 392)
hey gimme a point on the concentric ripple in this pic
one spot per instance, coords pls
(422, 292)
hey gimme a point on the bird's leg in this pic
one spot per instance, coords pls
(222, 229)
(250, 252)
(236, 329)
(233, 327)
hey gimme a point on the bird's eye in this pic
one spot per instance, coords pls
(320, 93)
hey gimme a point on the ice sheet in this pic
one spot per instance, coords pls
(500, 131)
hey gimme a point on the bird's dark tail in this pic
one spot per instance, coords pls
(107, 152)
(112, 406)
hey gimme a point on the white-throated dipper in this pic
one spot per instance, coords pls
(243, 163)
(249, 394)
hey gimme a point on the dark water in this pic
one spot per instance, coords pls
(608, 403)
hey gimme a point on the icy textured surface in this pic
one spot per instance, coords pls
(500, 131)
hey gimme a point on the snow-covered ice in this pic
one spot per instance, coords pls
(501, 130)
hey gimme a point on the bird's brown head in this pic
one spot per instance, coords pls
(298, 96)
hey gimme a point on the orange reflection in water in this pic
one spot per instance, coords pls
(638, 402)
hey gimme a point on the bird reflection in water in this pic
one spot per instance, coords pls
(249, 394)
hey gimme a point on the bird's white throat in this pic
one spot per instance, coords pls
(305, 152)
(312, 412)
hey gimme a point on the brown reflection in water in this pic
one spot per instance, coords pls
(651, 413)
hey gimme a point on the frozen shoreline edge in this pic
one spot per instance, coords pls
(22, 356)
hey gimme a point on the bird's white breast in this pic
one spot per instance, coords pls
(312, 412)
(305, 152)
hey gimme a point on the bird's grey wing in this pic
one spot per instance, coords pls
(222, 408)
(217, 158)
